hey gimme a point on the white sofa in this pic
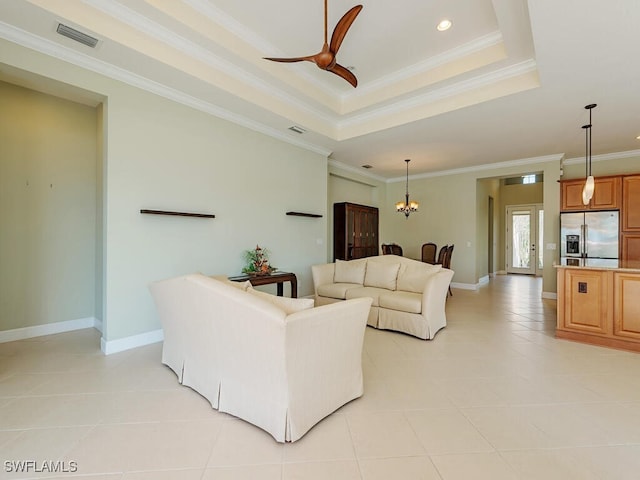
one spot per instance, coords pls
(275, 362)
(407, 295)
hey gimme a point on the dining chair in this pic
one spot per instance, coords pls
(391, 249)
(442, 254)
(447, 262)
(429, 252)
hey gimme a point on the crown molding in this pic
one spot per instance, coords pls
(362, 172)
(449, 56)
(556, 157)
(484, 167)
(604, 157)
(161, 34)
(457, 88)
(47, 47)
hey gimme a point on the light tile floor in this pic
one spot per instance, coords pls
(494, 396)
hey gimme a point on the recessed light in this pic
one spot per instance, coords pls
(638, 137)
(444, 25)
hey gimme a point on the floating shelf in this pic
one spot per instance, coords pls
(178, 214)
(301, 214)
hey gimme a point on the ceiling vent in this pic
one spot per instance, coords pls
(297, 129)
(77, 35)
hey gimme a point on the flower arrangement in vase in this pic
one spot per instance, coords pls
(257, 262)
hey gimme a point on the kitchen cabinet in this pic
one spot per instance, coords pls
(586, 296)
(606, 195)
(631, 203)
(630, 246)
(627, 308)
(599, 305)
(355, 231)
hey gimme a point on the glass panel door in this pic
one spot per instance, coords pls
(521, 239)
(540, 240)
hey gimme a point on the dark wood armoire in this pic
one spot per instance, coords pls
(355, 231)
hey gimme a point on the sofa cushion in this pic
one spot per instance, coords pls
(288, 305)
(413, 277)
(367, 292)
(336, 290)
(381, 275)
(402, 301)
(351, 271)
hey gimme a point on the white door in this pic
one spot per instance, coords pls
(523, 224)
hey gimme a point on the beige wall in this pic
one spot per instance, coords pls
(621, 165)
(47, 209)
(349, 186)
(521, 194)
(160, 154)
(164, 155)
(487, 188)
(449, 213)
(100, 256)
(453, 209)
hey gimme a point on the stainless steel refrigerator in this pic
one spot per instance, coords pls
(589, 234)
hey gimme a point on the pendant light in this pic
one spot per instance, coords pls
(589, 185)
(407, 206)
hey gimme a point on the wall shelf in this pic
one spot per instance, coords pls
(178, 214)
(301, 214)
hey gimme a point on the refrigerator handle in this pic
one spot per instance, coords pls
(585, 229)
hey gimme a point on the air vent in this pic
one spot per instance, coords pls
(297, 129)
(77, 35)
(367, 166)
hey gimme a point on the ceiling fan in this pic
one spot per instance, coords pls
(326, 58)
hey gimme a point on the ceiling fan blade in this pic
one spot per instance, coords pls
(290, 60)
(342, 28)
(344, 73)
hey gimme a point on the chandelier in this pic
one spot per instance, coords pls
(589, 185)
(407, 206)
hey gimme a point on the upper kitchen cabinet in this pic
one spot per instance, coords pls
(606, 196)
(631, 203)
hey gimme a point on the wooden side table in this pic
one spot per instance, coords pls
(278, 277)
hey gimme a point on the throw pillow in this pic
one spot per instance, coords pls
(381, 275)
(412, 278)
(288, 305)
(351, 271)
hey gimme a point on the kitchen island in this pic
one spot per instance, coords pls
(599, 302)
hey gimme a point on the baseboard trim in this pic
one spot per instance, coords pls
(47, 329)
(550, 295)
(471, 286)
(127, 343)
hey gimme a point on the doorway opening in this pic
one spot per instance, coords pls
(524, 234)
(490, 240)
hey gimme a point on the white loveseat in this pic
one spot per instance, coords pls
(275, 362)
(407, 295)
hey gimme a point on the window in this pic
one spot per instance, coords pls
(527, 179)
